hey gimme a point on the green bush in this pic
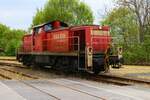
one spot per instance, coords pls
(10, 40)
(137, 53)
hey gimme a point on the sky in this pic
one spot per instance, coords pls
(18, 14)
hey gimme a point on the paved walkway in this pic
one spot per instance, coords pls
(8, 94)
(69, 89)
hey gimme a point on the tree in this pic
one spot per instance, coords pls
(123, 24)
(72, 12)
(10, 40)
(13, 39)
(141, 8)
(38, 18)
(3, 31)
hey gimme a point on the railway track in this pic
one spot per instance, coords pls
(126, 80)
(24, 82)
(112, 81)
(78, 90)
(42, 91)
(104, 78)
(116, 80)
(98, 78)
(15, 75)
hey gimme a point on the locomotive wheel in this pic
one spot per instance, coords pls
(96, 71)
(64, 65)
(73, 65)
(52, 61)
(28, 61)
(26, 64)
(96, 68)
(57, 63)
(25, 61)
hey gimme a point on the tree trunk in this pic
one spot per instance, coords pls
(141, 34)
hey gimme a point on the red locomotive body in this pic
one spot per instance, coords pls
(27, 41)
(59, 41)
(75, 48)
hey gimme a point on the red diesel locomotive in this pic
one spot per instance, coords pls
(73, 48)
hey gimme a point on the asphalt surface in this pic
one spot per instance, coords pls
(69, 89)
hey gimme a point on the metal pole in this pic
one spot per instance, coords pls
(78, 52)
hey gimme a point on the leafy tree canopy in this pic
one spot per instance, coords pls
(141, 9)
(123, 23)
(10, 40)
(72, 12)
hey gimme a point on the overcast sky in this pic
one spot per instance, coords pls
(19, 13)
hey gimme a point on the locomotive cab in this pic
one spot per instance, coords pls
(94, 47)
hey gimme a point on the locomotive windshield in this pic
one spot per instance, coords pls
(48, 27)
(36, 30)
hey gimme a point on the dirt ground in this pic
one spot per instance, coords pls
(7, 58)
(132, 71)
(10, 62)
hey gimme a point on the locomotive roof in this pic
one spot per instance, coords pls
(81, 27)
(62, 23)
(93, 26)
(78, 27)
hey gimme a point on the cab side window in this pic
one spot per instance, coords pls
(40, 30)
(36, 31)
(48, 27)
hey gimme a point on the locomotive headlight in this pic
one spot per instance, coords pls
(100, 27)
(90, 50)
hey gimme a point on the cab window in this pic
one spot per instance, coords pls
(48, 27)
(40, 30)
(36, 30)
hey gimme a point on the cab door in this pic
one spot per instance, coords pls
(37, 39)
